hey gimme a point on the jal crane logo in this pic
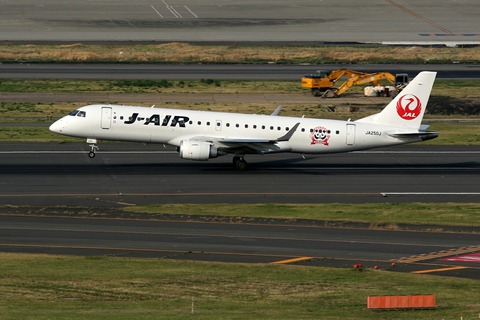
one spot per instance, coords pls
(409, 107)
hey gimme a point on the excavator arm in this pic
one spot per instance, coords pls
(373, 78)
(323, 81)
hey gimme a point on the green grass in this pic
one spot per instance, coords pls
(452, 214)
(450, 134)
(446, 108)
(150, 86)
(63, 287)
(451, 88)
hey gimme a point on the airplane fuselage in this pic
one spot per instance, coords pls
(172, 126)
(201, 135)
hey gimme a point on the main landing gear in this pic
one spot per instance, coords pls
(93, 147)
(240, 163)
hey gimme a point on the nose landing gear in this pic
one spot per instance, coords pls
(93, 147)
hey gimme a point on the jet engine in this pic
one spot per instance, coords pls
(197, 150)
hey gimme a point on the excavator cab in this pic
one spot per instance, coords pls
(318, 74)
(401, 80)
(319, 82)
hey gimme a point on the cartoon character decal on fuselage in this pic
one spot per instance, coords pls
(320, 135)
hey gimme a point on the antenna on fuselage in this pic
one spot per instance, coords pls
(277, 111)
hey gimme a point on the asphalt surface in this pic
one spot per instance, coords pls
(389, 21)
(41, 184)
(37, 176)
(252, 242)
(62, 174)
(216, 71)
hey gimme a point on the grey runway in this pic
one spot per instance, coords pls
(57, 200)
(159, 71)
(62, 174)
(389, 21)
(254, 242)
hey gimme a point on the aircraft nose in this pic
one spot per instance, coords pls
(57, 126)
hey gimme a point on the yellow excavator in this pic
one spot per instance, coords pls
(322, 83)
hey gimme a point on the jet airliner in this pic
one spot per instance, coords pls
(201, 135)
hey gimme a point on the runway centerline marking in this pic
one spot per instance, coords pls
(160, 151)
(310, 240)
(385, 194)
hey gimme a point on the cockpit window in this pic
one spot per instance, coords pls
(74, 113)
(81, 114)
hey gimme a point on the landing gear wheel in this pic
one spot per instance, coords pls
(240, 163)
(93, 148)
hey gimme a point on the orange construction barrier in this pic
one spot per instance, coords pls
(419, 301)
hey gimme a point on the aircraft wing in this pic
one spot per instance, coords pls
(285, 137)
(248, 145)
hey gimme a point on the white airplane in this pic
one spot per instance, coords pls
(201, 135)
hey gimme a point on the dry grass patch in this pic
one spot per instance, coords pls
(188, 53)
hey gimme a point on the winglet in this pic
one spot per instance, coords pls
(289, 134)
(277, 111)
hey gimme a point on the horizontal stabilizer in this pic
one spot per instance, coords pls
(422, 135)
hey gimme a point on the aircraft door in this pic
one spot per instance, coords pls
(106, 117)
(218, 125)
(350, 134)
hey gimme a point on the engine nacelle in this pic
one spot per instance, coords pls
(197, 150)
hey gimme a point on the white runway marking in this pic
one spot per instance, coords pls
(172, 10)
(417, 152)
(193, 14)
(156, 11)
(354, 152)
(80, 152)
(386, 194)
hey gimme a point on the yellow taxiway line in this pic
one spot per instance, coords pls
(292, 260)
(441, 269)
